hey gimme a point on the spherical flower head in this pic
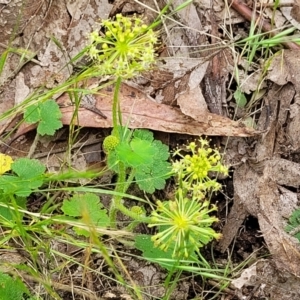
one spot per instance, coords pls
(185, 225)
(193, 169)
(138, 210)
(110, 143)
(126, 47)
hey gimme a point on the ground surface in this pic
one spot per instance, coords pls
(190, 92)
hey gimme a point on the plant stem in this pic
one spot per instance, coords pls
(122, 184)
(121, 187)
(116, 106)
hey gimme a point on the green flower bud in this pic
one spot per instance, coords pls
(110, 143)
(137, 210)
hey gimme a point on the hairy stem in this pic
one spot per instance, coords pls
(116, 105)
(122, 184)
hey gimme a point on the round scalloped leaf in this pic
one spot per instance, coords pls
(143, 134)
(47, 114)
(138, 153)
(28, 168)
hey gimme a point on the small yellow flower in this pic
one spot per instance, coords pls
(5, 163)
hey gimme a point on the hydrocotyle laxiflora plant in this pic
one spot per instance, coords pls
(124, 48)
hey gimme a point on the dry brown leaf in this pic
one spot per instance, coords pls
(285, 67)
(138, 111)
(192, 103)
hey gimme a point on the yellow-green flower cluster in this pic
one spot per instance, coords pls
(193, 169)
(110, 143)
(185, 225)
(126, 47)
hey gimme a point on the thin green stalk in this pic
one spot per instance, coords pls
(115, 108)
(117, 205)
(122, 184)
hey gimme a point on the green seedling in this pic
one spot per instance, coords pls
(145, 157)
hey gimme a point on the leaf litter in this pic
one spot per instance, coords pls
(263, 185)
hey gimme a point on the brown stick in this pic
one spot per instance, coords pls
(248, 14)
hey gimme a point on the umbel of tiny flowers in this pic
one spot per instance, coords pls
(184, 225)
(125, 48)
(110, 143)
(193, 169)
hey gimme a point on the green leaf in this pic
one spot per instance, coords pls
(144, 152)
(154, 177)
(135, 154)
(6, 212)
(240, 98)
(47, 114)
(162, 150)
(3, 58)
(294, 219)
(144, 243)
(28, 168)
(146, 156)
(88, 208)
(29, 177)
(12, 288)
(294, 222)
(143, 134)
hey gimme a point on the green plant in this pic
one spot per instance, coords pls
(143, 159)
(125, 48)
(89, 209)
(46, 114)
(293, 227)
(185, 222)
(13, 288)
(28, 175)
